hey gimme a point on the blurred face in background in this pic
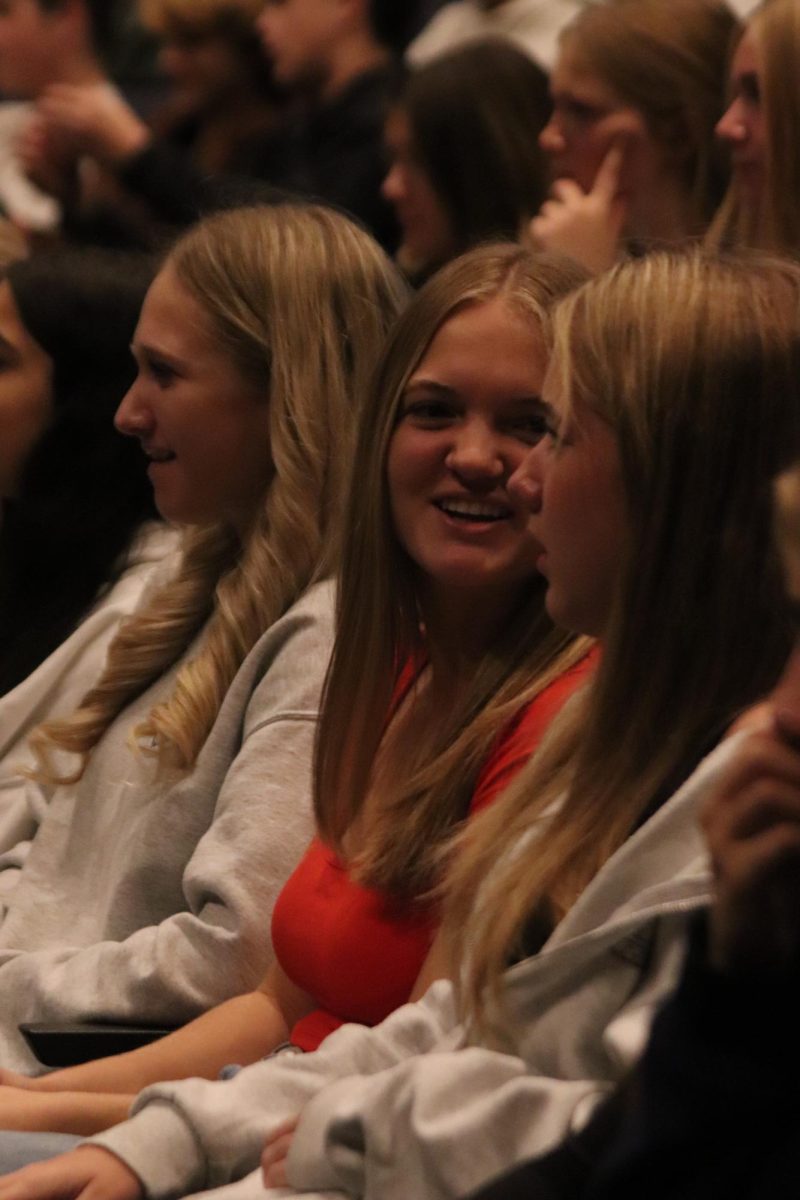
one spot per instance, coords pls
(743, 125)
(297, 36)
(588, 119)
(26, 395)
(202, 64)
(427, 238)
(30, 47)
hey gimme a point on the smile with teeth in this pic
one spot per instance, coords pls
(473, 510)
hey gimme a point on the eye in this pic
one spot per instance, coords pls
(531, 428)
(579, 111)
(160, 371)
(428, 414)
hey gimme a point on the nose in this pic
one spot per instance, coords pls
(133, 418)
(551, 139)
(475, 456)
(393, 186)
(732, 126)
(525, 484)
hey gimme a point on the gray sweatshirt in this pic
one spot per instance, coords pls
(417, 1106)
(145, 899)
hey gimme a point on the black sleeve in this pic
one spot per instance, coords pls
(712, 1109)
(179, 193)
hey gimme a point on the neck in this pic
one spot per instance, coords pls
(460, 629)
(355, 55)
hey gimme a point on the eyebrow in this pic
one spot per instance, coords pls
(428, 385)
(148, 351)
(442, 389)
(748, 81)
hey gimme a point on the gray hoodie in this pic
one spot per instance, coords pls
(147, 898)
(416, 1107)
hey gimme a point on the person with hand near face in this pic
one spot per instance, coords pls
(637, 89)
(439, 591)
(175, 801)
(568, 901)
(760, 209)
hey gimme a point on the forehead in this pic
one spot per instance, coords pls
(172, 314)
(573, 76)
(746, 58)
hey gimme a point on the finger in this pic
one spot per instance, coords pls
(606, 181)
(760, 756)
(567, 191)
(762, 809)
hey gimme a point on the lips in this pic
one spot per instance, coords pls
(157, 455)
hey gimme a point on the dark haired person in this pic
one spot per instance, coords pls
(78, 536)
(465, 163)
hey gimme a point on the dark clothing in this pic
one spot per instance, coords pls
(711, 1112)
(333, 153)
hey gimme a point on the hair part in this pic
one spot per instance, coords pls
(705, 407)
(381, 610)
(265, 277)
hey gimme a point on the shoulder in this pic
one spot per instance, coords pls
(286, 668)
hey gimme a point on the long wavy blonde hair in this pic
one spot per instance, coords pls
(302, 300)
(381, 614)
(695, 364)
(667, 59)
(773, 224)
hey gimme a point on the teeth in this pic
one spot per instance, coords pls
(473, 508)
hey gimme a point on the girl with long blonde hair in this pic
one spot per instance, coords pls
(176, 800)
(445, 673)
(649, 497)
(760, 209)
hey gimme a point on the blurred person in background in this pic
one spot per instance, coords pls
(465, 164)
(637, 91)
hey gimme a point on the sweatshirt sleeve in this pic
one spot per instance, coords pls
(217, 942)
(194, 1134)
(446, 1123)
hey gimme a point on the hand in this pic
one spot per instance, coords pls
(47, 159)
(96, 119)
(587, 226)
(752, 825)
(275, 1153)
(89, 1171)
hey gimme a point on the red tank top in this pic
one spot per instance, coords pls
(357, 951)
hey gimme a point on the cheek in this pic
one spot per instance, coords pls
(410, 466)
